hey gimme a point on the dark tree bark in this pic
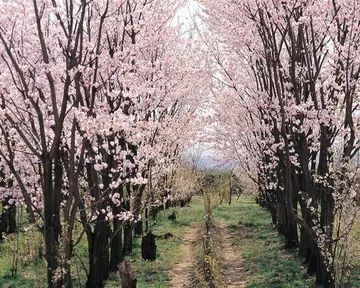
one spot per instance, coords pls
(99, 254)
(117, 255)
(128, 227)
(8, 214)
(128, 238)
(7, 219)
(137, 208)
(51, 224)
(146, 219)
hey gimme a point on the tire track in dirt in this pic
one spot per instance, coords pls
(233, 274)
(233, 271)
(183, 274)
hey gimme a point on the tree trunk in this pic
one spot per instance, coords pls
(7, 219)
(8, 215)
(128, 238)
(51, 225)
(128, 229)
(116, 246)
(99, 254)
(280, 216)
(308, 247)
(117, 256)
(67, 242)
(127, 275)
(327, 204)
(324, 273)
(137, 208)
(12, 219)
(146, 219)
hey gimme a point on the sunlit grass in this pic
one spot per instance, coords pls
(268, 264)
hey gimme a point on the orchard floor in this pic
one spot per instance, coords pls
(266, 262)
(252, 253)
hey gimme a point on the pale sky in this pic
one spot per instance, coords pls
(184, 14)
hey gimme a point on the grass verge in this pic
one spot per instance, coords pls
(155, 274)
(269, 265)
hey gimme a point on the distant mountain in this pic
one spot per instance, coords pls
(208, 162)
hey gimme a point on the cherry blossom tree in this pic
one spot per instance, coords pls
(95, 97)
(286, 82)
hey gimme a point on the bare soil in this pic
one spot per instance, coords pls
(233, 272)
(183, 274)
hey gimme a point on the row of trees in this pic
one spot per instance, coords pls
(286, 77)
(97, 107)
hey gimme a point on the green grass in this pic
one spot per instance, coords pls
(155, 274)
(355, 277)
(31, 271)
(269, 265)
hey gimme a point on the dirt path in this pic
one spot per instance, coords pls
(182, 275)
(234, 274)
